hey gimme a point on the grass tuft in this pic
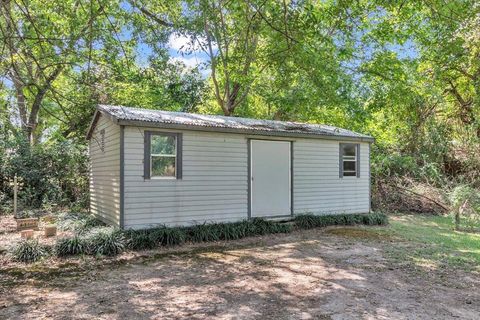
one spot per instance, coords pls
(204, 232)
(29, 251)
(70, 246)
(105, 241)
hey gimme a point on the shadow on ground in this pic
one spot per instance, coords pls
(305, 275)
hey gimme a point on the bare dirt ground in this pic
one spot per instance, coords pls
(10, 236)
(336, 273)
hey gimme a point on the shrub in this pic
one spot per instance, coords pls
(71, 246)
(51, 172)
(29, 251)
(308, 221)
(106, 241)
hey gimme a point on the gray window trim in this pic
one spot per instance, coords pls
(178, 150)
(357, 161)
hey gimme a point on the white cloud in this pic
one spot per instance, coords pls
(178, 42)
(181, 42)
(191, 62)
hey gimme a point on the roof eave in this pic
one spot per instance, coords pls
(240, 130)
(95, 118)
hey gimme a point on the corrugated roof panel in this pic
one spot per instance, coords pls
(191, 119)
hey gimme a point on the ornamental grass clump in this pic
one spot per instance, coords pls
(309, 221)
(77, 222)
(173, 236)
(204, 232)
(140, 239)
(70, 246)
(29, 251)
(105, 241)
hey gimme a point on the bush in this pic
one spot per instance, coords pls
(51, 173)
(71, 246)
(29, 251)
(105, 241)
(308, 221)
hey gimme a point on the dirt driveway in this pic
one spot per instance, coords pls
(317, 274)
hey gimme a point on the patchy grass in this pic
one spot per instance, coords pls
(360, 232)
(433, 243)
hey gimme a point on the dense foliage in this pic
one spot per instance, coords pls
(405, 72)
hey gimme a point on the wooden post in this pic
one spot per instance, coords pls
(15, 189)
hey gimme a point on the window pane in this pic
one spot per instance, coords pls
(349, 174)
(349, 150)
(348, 165)
(162, 144)
(163, 166)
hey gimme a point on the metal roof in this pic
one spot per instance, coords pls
(182, 120)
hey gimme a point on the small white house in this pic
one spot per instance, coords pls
(151, 167)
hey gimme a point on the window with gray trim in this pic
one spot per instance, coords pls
(162, 155)
(349, 160)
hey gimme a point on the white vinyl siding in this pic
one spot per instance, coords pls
(317, 186)
(105, 171)
(213, 187)
(214, 184)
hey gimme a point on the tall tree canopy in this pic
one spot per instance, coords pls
(407, 72)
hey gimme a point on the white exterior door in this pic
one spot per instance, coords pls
(270, 178)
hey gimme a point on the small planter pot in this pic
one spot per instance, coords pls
(27, 223)
(50, 231)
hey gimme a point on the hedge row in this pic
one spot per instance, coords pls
(109, 241)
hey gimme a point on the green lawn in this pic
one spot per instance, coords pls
(431, 241)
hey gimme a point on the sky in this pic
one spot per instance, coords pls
(198, 58)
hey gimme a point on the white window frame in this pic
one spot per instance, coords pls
(355, 159)
(148, 155)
